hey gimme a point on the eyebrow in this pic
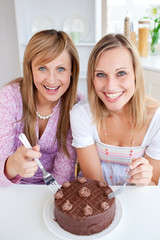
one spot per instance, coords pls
(121, 68)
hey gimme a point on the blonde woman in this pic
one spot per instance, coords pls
(38, 104)
(117, 131)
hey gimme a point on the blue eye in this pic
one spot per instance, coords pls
(42, 69)
(101, 75)
(121, 73)
(61, 69)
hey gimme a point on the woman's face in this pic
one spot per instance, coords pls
(114, 78)
(52, 79)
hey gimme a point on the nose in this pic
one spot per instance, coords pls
(52, 77)
(110, 83)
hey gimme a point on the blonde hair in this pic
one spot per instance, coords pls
(137, 104)
(48, 45)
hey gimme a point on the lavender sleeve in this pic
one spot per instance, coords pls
(8, 131)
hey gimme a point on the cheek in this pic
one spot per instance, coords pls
(37, 78)
(66, 79)
(97, 84)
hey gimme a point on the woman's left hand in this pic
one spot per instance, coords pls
(141, 171)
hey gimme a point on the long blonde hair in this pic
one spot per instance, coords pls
(48, 45)
(137, 104)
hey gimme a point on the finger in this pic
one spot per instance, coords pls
(141, 169)
(28, 172)
(36, 148)
(137, 162)
(141, 181)
(27, 164)
(31, 154)
(141, 175)
(28, 175)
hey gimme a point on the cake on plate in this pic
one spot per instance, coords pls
(82, 207)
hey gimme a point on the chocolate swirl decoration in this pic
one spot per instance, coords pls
(66, 184)
(104, 205)
(102, 184)
(59, 195)
(67, 206)
(87, 210)
(84, 192)
(81, 180)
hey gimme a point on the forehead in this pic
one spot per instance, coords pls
(63, 57)
(117, 57)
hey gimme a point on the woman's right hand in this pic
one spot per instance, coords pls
(21, 162)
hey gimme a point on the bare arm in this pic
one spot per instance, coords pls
(156, 169)
(90, 163)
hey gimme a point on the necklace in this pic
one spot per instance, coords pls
(43, 117)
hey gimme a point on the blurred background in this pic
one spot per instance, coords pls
(86, 21)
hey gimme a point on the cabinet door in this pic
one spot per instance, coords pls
(152, 83)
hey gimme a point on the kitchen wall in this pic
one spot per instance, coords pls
(9, 60)
(117, 10)
(9, 57)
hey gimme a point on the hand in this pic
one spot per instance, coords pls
(22, 163)
(141, 171)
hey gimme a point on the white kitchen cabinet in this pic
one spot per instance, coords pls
(57, 11)
(152, 83)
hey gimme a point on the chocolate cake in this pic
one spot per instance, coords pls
(82, 206)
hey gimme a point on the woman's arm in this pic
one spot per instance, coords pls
(90, 163)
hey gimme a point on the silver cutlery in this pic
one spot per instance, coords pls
(119, 190)
(48, 178)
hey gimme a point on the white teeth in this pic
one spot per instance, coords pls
(113, 95)
(51, 88)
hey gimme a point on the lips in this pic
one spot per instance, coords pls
(111, 97)
(51, 89)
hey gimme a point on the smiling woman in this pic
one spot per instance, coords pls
(38, 105)
(119, 133)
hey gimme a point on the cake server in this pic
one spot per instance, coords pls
(48, 178)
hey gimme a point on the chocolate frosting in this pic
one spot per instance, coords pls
(76, 220)
(59, 195)
(84, 192)
(102, 184)
(87, 210)
(104, 205)
(67, 206)
(66, 184)
(81, 180)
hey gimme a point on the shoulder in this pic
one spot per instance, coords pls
(10, 96)
(156, 115)
(153, 114)
(81, 107)
(10, 90)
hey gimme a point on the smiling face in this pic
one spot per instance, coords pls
(114, 79)
(52, 79)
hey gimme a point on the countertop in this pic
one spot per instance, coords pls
(21, 214)
(151, 62)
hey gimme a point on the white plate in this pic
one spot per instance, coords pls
(42, 23)
(48, 216)
(76, 23)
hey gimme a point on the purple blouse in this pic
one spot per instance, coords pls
(54, 161)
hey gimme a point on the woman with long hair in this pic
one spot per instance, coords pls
(117, 131)
(38, 105)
